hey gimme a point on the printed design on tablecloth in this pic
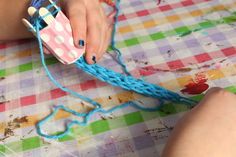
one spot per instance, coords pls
(197, 85)
(59, 36)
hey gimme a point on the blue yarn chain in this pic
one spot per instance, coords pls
(116, 79)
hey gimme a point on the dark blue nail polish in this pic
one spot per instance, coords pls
(94, 59)
(81, 43)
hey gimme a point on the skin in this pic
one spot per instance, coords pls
(12, 28)
(88, 21)
(207, 130)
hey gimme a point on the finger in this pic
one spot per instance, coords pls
(212, 90)
(106, 42)
(109, 28)
(106, 33)
(46, 51)
(111, 15)
(76, 13)
(94, 32)
(110, 25)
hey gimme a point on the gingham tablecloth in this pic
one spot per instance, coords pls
(168, 44)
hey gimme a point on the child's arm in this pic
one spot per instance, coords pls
(208, 130)
(11, 13)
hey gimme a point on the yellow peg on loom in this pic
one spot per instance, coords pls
(46, 15)
(43, 12)
(55, 32)
(53, 3)
(28, 25)
(31, 12)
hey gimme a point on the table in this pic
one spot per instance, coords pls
(173, 44)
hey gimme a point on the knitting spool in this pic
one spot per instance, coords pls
(56, 37)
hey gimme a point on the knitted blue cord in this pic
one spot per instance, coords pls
(116, 79)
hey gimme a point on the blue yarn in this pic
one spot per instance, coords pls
(113, 43)
(95, 104)
(116, 79)
(86, 117)
(129, 83)
(37, 3)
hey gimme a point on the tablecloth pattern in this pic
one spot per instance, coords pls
(169, 44)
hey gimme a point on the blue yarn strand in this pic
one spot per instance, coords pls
(116, 79)
(37, 3)
(86, 117)
(113, 43)
(95, 104)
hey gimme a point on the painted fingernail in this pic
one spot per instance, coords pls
(81, 43)
(94, 59)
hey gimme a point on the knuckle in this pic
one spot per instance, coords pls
(75, 13)
(94, 8)
(95, 21)
(93, 45)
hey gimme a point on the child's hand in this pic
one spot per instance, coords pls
(90, 26)
(207, 130)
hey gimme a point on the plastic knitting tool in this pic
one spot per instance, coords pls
(56, 35)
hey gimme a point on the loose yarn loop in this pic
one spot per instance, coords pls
(86, 117)
(116, 79)
(113, 43)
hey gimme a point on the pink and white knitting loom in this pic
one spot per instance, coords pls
(57, 36)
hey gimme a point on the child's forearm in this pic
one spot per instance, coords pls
(11, 13)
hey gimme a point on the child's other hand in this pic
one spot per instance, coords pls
(207, 130)
(90, 26)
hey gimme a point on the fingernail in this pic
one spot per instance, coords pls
(81, 43)
(94, 59)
